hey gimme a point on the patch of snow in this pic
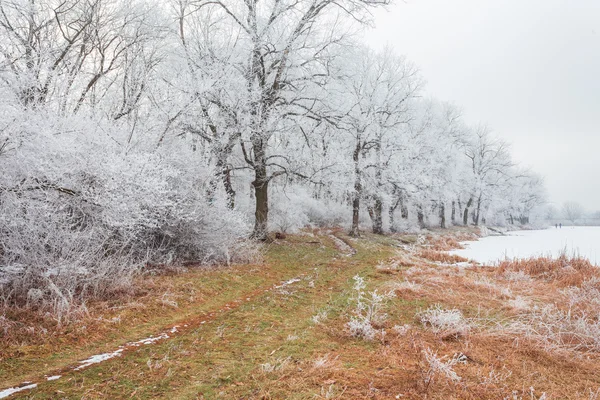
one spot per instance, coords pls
(53, 378)
(463, 264)
(287, 283)
(149, 340)
(7, 392)
(98, 358)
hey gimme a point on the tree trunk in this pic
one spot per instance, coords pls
(261, 191)
(261, 214)
(355, 214)
(222, 173)
(226, 177)
(391, 212)
(403, 207)
(420, 216)
(442, 216)
(376, 218)
(354, 231)
(466, 212)
(478, 211)
(453, 214)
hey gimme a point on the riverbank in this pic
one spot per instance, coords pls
(553, 242)
(328, 316)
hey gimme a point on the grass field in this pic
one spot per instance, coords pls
(429, 326)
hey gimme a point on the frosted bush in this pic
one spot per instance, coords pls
(444, 321)
(486, 283)
(319, 317)
(495, 377)
(520, 303)
(407, 285)
(558, 328)
(361, 328)
(294, 208)
(323, 362)
(368, 312)
(506, 292)
(80, 214)
(276, 365)
(587, 294)
(438, 367)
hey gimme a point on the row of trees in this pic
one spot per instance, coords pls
(572, 212)
(275, 94)
(140, 132)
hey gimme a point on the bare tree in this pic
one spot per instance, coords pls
(283, 51)
(59, 51)
(572, 211)
(490, 164)
(372, 100)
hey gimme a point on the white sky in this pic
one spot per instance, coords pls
(530, 69)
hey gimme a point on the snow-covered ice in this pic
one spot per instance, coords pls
(582, 241)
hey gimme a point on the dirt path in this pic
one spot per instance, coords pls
(172, 332)
(343, 246)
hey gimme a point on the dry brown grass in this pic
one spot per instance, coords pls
(444, 243)
(450, 240)
(564, 270)
(440, 256)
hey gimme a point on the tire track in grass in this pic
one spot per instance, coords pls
(169, 333)
(343, 246)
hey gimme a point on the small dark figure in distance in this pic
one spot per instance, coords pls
(560, 225)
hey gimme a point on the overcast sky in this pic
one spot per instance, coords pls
(530, 69)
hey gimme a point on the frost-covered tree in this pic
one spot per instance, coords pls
(282, 52)
(489, 164)
(572, 211)
(137, 133)
(74, 53)
(370, 100)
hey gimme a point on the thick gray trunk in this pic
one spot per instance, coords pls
(466, 212)
(420, 216)
(375, 212)
(354, 231)
(442, 216)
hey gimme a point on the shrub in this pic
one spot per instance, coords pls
(445, 322)
(368, 313)
(439, 367)
(557, 328)
(80, 215)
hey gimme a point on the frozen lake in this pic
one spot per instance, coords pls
(584, 241)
